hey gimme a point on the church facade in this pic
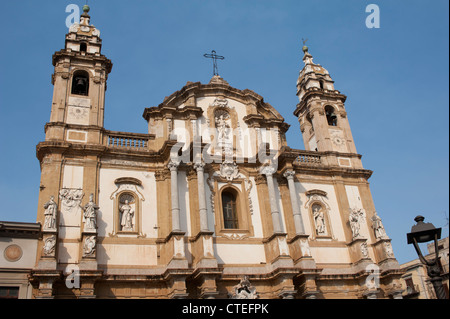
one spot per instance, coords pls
(212, 202)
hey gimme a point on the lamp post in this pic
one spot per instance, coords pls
(422, 233)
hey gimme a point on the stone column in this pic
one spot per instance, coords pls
(173, 167)
(298, 222)
(269, 171)
(199, 167)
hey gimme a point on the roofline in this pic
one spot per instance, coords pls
(19, 229)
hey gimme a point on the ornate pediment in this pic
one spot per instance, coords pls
(316, 192)
(229, 170)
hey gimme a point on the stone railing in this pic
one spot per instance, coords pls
(306, 158)
(131, 141)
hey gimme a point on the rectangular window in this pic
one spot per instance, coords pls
(9, 292)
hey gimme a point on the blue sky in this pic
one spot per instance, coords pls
(396, 79)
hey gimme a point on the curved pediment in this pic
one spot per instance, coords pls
(230, 120)
(186, 103)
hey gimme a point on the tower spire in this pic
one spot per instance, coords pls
(321, 112)
(85, 17)
(81, 72)
(307, 57)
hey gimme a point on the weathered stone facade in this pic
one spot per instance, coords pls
(212, 202)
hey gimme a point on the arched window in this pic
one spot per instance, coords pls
(321, 83)
(229, 209)
(80, 83)
(331, 115)
(83, 47)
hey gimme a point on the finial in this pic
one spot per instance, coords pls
(305, 48)
(86, 8)
(419, 219)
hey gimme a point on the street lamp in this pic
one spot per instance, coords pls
(422, 233)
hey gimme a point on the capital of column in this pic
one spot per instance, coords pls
(289, 174)
(199, 166)
(173, 165)
(267, 170)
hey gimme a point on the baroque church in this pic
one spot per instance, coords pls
(212, 202)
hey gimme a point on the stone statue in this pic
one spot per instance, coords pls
(222, 127)
(90, 214)
(378, 227)
(127, 216)
(50, 214)
(356, 218)
(244, 290)
(319, 220)
(224, 136)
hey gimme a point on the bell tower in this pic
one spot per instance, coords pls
(322, 115)
(79, 80)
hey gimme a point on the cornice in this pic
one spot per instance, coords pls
(197, 90)
(316, 92)
(166, 111)
(88, 57)
(288, 156)
(258, 120)
(20, 230)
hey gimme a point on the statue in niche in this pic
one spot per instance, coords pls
(50, 214)
(223, 126)
(244, 290)
(90, 214)
(378, 227)
(127, 216)
(355, 218)
(319, 220)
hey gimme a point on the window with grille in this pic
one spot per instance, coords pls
(229, 209)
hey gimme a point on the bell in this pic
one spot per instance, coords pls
(80, 83)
